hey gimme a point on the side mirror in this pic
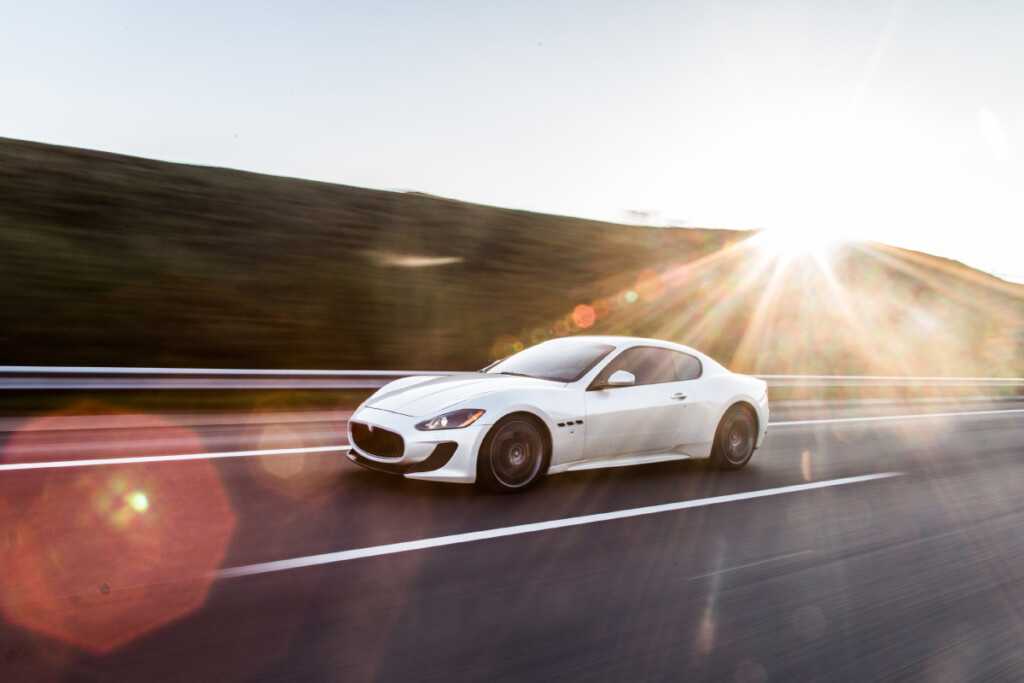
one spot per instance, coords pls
(621, 378)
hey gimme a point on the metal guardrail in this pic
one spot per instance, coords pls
(879, 381)
(78, 378)
(13, 377)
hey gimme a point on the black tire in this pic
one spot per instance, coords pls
(735, 439)
(513, 456)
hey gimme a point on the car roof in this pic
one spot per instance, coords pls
(621, 342)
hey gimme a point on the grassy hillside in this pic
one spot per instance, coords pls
(113, 260)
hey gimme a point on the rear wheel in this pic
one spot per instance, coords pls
(512, 455)
(734, 440)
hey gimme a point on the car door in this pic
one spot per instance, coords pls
(642, 418)
(695, 428)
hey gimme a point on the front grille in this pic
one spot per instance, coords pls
(377, 441)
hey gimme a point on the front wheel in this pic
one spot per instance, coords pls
(734, 440)
(512, 455)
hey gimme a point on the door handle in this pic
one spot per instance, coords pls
(678, 397)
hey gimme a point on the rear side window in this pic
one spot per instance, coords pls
(687, 367)
(649, 365)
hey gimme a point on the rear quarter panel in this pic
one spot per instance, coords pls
(728, 389)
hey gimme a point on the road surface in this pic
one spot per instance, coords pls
(888, 548)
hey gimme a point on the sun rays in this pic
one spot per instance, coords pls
(776, 304)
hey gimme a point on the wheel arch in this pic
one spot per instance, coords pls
(542, 428)
(743, 401)
(749, 407)
(545, 433)
(720, 452)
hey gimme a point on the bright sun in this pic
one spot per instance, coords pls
(788, 243)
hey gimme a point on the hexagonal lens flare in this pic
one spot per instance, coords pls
(97, 556)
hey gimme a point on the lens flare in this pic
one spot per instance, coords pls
(584, 316)
(99, 556)
(305, 476)
(649, 286)
(138, 501)
(803, 302)
(676, 275)
(505, 346)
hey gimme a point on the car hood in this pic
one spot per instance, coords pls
(428, 396)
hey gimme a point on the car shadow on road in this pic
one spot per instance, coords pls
(562, 495)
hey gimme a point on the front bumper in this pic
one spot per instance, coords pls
(441, 456)
(444, 455)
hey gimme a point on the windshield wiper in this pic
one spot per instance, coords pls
(515, 374)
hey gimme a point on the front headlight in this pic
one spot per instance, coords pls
(456, 419)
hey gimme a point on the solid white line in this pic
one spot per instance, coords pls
(880, 418)
(342, 447)
(166, 458)
(390, 549)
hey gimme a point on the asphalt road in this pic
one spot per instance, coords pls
(799, 567)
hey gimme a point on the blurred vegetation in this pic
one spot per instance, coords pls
(120, 261)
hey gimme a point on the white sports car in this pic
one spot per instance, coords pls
(567, 404)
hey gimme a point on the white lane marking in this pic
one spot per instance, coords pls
(342, 447)
(166, 458)
(751, 564)
(422, 544)
(880, 418)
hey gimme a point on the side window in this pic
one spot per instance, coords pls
(648, 365)
(687, 367)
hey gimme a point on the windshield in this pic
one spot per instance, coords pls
(564, 362)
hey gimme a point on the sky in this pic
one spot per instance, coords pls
(894, 120)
